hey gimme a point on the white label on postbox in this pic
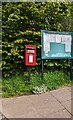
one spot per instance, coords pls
(30, 51)
(30, 58)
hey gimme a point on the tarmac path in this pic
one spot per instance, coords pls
(52, 104)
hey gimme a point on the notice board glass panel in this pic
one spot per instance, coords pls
(56, 45)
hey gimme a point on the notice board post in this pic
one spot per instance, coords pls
(71, 71)
(57, 45)
(42, 69)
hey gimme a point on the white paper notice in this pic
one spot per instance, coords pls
(68, 43)
(58, 38)
(47, 47)
(67, 47)
(63, 39)
(51, 38)
(46, 54)
(46, 38)
(46, 43)
(68, 39)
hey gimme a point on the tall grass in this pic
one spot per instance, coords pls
(19, 84)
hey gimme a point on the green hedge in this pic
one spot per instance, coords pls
(22, 24)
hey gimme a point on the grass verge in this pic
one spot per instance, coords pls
(18, 84)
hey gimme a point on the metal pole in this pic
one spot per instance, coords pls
(28, 68)
(42, 70)
(71, 69)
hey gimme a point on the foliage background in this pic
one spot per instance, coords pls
(22, 23)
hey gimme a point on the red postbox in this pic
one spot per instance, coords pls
(30, 55)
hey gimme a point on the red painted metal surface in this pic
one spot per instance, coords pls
(30, 55)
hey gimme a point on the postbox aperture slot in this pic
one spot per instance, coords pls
(30, 48)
